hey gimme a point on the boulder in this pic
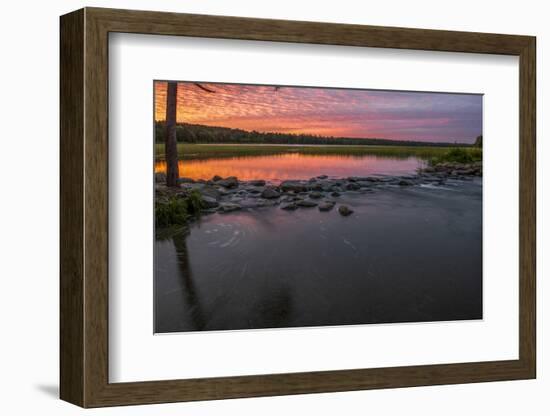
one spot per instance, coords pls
(316, 187)
(352, 186)
(335, 194)
(404, 182)
(229, 207)
(266, 202)
(293, 186)
(315, 195)
(209, 202)
(210, 191)
(306, 203)
(289, 206)
(344, 210)
(326, 205)
(216, 178)
(289, 198)
(270, 193)
(230, 182)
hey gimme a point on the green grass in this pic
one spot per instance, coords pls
(177, 210)
(458, 155)
(202, 151)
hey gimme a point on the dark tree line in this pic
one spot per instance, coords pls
(196, 133)
(479, 141)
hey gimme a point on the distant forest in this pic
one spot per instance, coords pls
(197, 133)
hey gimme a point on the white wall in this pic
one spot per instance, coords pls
(29, 207)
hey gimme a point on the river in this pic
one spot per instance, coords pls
(407, 254)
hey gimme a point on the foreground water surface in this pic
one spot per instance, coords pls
(405, 255)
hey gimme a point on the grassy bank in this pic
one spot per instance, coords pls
(174, 210)
(203, 151)
(458, 155)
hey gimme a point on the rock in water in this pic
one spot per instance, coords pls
(315, 195)
(229, 182)
(210, 191)
(229, 207)
(289, 198)
(404, 182)
(316, 187)
(293, 186)
(335, 194)
(270, 193)
(290, 206)
(306, 203)
(326, 205)
(209, 202)
(344, 210)
(352, 186)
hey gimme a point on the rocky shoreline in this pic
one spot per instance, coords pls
(230, 194)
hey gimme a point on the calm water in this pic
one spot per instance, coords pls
(411, 254)
(276, 168)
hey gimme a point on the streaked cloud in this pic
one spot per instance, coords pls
(329, 112)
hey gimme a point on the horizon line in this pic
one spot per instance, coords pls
(325, 137)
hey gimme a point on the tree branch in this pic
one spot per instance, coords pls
(204, 88)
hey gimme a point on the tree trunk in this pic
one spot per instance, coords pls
(170, 143)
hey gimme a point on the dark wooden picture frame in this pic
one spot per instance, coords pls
(84, 207)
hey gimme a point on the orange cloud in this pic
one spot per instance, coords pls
(327, 111)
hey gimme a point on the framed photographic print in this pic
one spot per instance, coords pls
(261, 207)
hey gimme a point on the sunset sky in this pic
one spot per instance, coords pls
(430, 117)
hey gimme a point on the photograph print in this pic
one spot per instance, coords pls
(292, 206)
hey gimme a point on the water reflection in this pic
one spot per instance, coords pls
(190, 296)
(294, 166)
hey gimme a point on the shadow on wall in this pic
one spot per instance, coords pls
(51, 390)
